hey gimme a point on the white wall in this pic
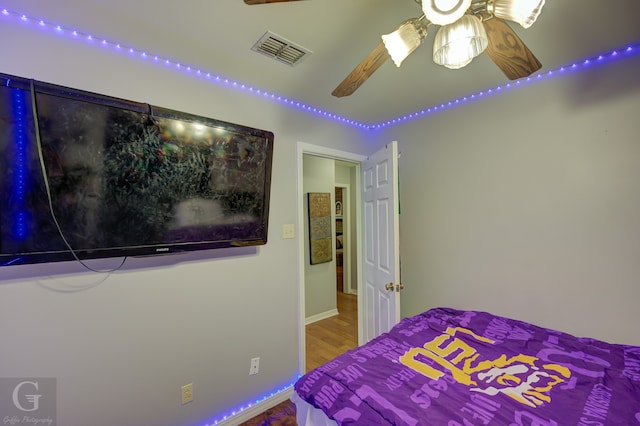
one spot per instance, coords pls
(527, 204)
(122, 344)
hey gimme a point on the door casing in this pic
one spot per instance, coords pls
(309, 149)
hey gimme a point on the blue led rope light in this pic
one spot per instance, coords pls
(19, 183)
(227, 417)
(194, 71)
(613, 55)
(616, 54)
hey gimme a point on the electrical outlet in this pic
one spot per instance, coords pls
(255, 366)
(288, 230)
(187, 393)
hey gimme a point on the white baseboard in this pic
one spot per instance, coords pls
(321, 316)
(258, 408)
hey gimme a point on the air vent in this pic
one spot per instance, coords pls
(280, 49)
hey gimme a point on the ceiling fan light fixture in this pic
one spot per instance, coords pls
(456, 44)
(403, 41)
(444, 12)
(523, 12)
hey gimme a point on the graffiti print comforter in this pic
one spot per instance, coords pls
(466, 368)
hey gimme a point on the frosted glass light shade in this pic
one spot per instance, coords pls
(404, 40)
(524, 12)
(443, 12)
(456, 44)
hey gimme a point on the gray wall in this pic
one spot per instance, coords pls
(122, 344)
(320, 279)
(536, 217)
(527, 204)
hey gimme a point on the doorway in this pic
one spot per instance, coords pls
(377, 208)
(343, 171)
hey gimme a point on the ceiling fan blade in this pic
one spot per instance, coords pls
(252, 2)
(362, 72)
(508, 51)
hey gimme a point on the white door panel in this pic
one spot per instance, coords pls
(381, 222)
(384, 262)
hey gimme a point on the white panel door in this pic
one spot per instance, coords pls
(381, 246)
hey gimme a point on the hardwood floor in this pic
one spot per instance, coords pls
(326, 339)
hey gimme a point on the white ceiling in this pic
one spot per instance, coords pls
(217, 36)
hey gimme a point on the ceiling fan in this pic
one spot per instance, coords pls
(467, 29)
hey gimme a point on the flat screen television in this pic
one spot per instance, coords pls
(84, 176)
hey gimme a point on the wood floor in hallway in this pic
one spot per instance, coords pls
(328, 338)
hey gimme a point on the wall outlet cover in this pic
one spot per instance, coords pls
(255, 366)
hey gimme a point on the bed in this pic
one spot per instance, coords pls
(466, 368)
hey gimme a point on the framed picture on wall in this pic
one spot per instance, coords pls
(320, 237)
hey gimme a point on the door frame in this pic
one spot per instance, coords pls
(346, 234)
(303, 149)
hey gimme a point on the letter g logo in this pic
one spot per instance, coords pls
(33, 399)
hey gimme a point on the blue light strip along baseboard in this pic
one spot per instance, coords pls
(227, 417)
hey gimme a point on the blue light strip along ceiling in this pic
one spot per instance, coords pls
(613, 55)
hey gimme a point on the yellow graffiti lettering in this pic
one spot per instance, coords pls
(435, 346)
(520, 377)
(409, 359)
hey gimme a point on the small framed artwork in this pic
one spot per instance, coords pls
(320, 237)
(338, 208)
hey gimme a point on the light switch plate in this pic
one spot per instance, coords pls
(187, 393)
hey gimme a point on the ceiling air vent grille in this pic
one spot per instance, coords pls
(280, 49)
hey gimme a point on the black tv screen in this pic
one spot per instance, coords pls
(85, 176)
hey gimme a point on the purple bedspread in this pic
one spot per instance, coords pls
(451, 367)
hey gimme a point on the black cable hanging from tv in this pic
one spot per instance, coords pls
(34, 109)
